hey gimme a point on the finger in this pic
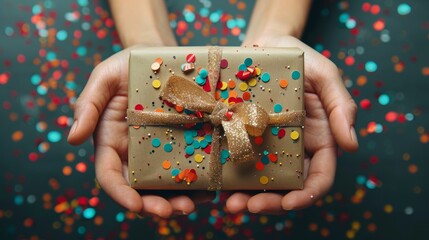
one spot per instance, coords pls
(320, 178)
(325, 79)
(156, 205)
(237, 202)
(266, 203)
(108, 169)
(102, 85)
(182, 205)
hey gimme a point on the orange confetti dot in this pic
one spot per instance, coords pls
(361, 80)
(17, 136)
(81, 167)
(283, 83)
(232, 94)
(372, 227)
(424, 138)
(425, 71)
(231, 84)
(246, 96)
(166, 164)
(179, 108)
(378, 25)
(159, 110)
(70, 157)
(412, 168)
(67, 170)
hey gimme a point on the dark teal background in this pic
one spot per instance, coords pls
(381, 192)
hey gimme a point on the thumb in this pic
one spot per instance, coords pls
(102, 85)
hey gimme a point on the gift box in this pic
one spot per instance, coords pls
(212, 118)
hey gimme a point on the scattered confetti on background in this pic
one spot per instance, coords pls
(48, 190)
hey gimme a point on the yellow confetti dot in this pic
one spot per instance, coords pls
(258, 71)
(243, 86)
(156, 83)
(388, 208)
(263, 180)
(224, 86)
(199, 158)
(252, 82)
(294, 135)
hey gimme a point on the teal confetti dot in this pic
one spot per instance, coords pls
(42, 90)
(61, 35)
(203, 143)
(204, 12)
(384, 99)
(89, 213)
(370, 184)
(241, 23)
(278, 108)
(156, 142)
(231, 23)
(81, 230)
(175, 172)
(81, 51)
(54, 136)
(19, 200)
(360, 180)
(409, 116)
(189, 139)
(120, 217)
(36, 9)
(204, 73)
(9, 31)
(215, 16)
(168, 147)
(266, 152)
(350, 23)
(224, 154)
(224, 94)
(189, 16)
(223, 161)
(51, 56)
(196, 144)
(296, 75)
(265, 159)
(200, 80)
(370, 66)
(208, 138)
(189, 150)
(265, 77)
(404, 9)
(82, 3)
(344, 17)
(242, 67)
(35, 79)
(275, 131)
(193, 216)
(248, 62)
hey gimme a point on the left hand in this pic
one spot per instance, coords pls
(330, 121)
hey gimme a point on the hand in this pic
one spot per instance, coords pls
(330, 120)
(101, 108)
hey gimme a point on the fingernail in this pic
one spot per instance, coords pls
(353, 135)
(180, 213)
(73, 128)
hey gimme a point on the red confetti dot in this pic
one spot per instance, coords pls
(190, 58)
(281, 133)
(378, 25)
(223, 63)
(366, 7)
(260, 166)
(365, 104)
(32, 157)
(259, 140)
(272, 157)
(391, 116)
(139, 107)
(375, 9)
(350, 60)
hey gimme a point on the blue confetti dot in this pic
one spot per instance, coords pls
(370, 66)
(168, 147)
(54, 136)
(296, 75)
(120, 217)
(89, 213)
(384, 99)
(248, 62)
(278, 108)
(265, 77)
(156, 142)
(189, 150)
(61, 35)
(404, 9)
(175, 172)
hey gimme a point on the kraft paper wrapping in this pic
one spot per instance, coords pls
(180, 156)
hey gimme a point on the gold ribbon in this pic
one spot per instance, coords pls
(238, 121)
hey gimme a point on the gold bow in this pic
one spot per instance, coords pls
(237, 121)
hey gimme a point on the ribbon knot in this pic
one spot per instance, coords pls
(238, 121)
